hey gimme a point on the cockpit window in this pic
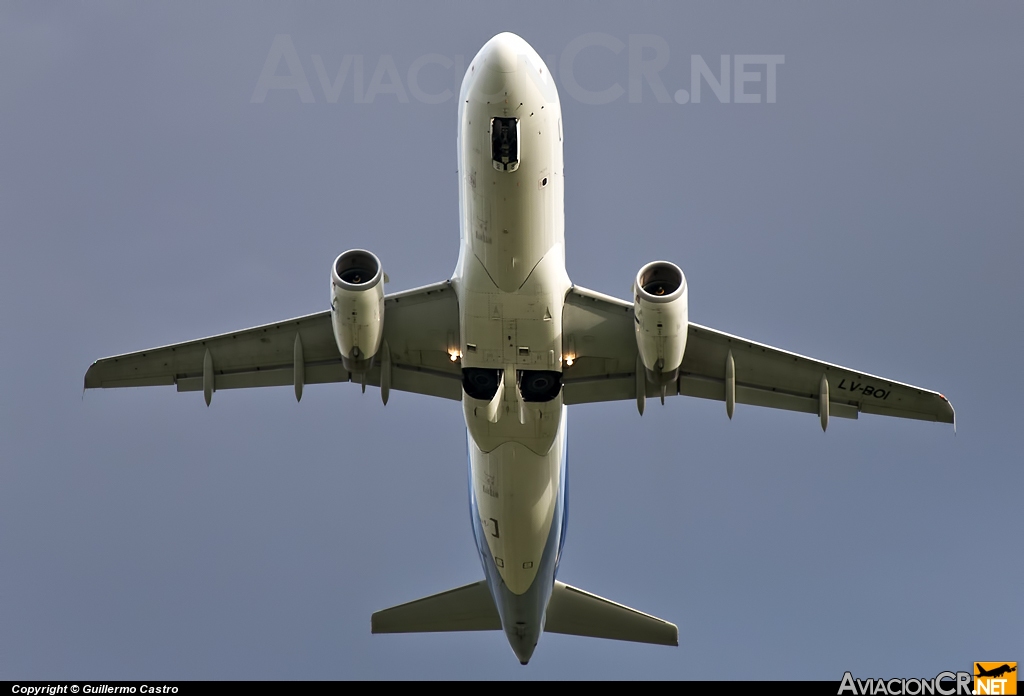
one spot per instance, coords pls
(505, 143)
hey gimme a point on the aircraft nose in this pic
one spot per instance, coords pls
(503, 53)
(505, 65)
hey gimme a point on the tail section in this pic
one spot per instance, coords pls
(467, 608)
(571, 611)
(575, 612)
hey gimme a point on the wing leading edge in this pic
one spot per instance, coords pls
(420, 328)
(598, 332)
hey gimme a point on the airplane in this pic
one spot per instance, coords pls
(995, 672)
(512, 338)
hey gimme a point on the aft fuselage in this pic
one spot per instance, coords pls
(511, 282)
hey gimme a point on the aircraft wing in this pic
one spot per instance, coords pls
(598, 331)
(420, 327)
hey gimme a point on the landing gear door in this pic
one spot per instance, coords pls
(505, 143)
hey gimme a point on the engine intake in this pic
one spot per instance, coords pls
(661, 314)
(357, 307)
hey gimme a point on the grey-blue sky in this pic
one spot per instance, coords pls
(871, 217)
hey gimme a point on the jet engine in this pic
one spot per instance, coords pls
(660, 312)
(357, 307)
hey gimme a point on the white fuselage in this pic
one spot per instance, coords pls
(511, 283)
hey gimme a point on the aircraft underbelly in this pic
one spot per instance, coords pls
(511, 283)
(517, 494)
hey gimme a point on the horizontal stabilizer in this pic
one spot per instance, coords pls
(577, 613)
(467, 608)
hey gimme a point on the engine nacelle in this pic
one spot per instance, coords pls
(661, 313)
(357, 307)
